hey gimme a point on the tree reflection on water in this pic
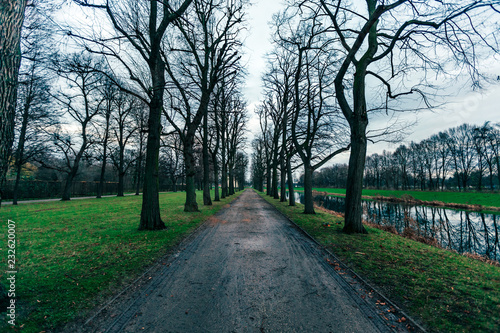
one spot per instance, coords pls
(462, 231)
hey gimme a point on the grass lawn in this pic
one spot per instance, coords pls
(486, 199)
(73, 255)
(445, 291)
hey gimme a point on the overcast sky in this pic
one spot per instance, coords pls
(463, 106)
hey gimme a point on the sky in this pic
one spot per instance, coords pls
(462, 105)
(257, 44)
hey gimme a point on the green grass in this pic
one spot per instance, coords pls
(73, 255)
(445, 291)
(486, 199)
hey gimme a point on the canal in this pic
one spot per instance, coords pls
(459, 230)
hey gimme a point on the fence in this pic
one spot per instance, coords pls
(41, 189)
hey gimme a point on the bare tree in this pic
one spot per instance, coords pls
(236, 120)
(208, 49)
(124, 129)
(109, 91)
(317, 130)
(258, 166)
(278, 82)
(384, 41)
(240, 167)
(144, 27)
(35, 115)
(82, 101)
(140, 120)
(172, 159)
(11, 16)
(267, 135)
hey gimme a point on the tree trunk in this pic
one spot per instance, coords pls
(66, 195)
(465, 179)
(291, 189)
(20, 151)
(269, 187)
(207, 201)
(100, 188)
(490, 167)
(308, 196)
(282, 159)
(481, 172)
(275, 180)
(16, 185)
(12, 17)
(353, 214)
(191, 205)
(498, 168)
(121, 176)
(138, 171)
(174, 184)
(231, 180)
(121, 171)
(150, 214)
(224, 181)
(216, 179)
(283, 179)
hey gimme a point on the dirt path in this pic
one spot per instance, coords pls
(248, 270)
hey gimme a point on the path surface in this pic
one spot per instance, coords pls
(249, 270)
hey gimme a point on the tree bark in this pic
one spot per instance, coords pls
(150, 214)
(207, 201)
(269, 187)
(121, 165)
(216, 178)
(100, 188)
(308, 196)
(231, 181)
(20, 151)
(12, 17)
(223, 161)
(283, 177)
(121, 179)
(138, 170)
(353, 214)
(66, 195)
(275, 179)
(190, 205)
(291, 189)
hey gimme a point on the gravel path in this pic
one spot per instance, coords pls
(248, 270)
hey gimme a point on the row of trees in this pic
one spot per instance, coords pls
(459, 158)
(155, 80)
(337, 64)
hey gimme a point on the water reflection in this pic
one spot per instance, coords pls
(462, 231)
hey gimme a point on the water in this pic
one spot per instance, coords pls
(459, 230)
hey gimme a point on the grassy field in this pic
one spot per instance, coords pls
(467, 198)
(445, 291)
(73, 255)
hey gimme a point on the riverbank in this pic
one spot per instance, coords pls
(476, 201)
(74, 255)
(447, 292)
